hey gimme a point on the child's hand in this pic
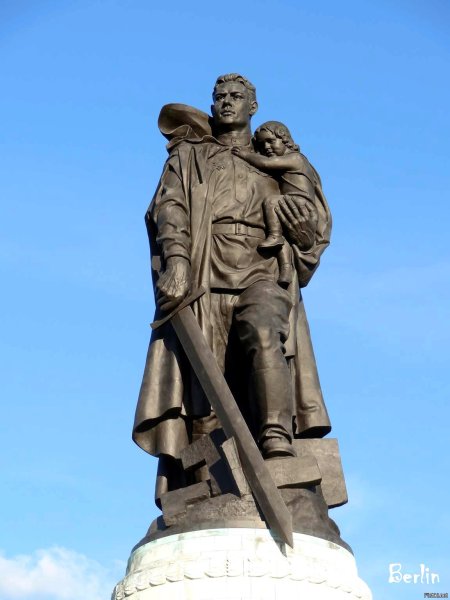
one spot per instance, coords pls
(241, 152)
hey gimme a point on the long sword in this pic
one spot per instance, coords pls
(224, 405)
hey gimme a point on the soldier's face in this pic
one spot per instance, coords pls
(232, 106)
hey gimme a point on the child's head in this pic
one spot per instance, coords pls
(274, 139)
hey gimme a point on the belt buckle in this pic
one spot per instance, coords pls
(241, 229)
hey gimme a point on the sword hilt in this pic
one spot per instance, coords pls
(198, 293)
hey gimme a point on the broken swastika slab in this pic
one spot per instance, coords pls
(294, 472)
(326, 452)
(204, 454)
(174, 504)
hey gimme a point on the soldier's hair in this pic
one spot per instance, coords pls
(239, 79)
(280, 131)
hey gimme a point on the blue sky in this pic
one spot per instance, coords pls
(364, 88)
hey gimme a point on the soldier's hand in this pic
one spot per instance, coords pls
(174, 284)
(299, 220)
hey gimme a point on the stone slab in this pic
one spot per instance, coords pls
(204, 456)
(175, 504)
(326, 452)
(231, 455)
(294, 472)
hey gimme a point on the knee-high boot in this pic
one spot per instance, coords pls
(271, 397)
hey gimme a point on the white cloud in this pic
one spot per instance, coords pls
(55, 574)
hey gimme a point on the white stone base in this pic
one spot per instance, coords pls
(240, 564)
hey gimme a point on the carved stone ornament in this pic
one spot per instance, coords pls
(240, 564)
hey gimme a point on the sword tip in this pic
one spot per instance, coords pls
(287, 537)
(282, 528)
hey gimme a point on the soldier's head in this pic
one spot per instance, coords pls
(234, 102)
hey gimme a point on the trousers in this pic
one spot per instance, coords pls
(249, 331)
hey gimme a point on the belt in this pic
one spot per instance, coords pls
(238, 229)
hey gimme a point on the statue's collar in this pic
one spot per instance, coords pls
(234, 138)
(226, 139)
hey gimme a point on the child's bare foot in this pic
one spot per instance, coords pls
(285, 277)
(272, 241)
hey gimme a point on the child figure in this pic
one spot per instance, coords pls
(280, 156)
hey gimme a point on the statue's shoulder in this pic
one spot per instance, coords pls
(304, 162)
(178, 147)
(309, 170)
(180, 121)
(180, 150)
(184, 127)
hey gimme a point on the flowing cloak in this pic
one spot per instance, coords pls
(170, 396)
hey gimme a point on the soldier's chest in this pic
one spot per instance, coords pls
(234, 184)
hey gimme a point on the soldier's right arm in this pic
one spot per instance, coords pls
(170, 213)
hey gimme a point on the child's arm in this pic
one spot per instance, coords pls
(287, 162)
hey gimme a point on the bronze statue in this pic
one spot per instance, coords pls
(246, 220)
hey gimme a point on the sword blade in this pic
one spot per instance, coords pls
(224, 405)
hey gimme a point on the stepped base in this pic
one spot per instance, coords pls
(240, 564)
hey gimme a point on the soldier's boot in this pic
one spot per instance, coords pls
(272, 396)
